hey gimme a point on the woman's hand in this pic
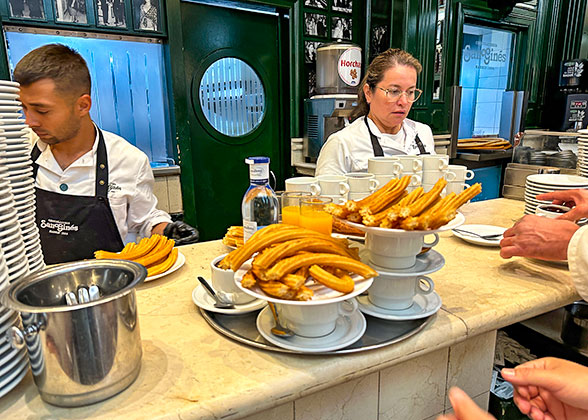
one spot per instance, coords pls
(578, 199)
(550, 389)
(538, 237)
(464, 408)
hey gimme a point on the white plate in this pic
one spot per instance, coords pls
(203, 300)
(558, 180)
(481, 230)
(10, 108)
(422, 307)
(456, 222)
(181, 260)
(347, 331)
(12, 383)
(8, 96)
(355, 238)
(322, 294)
(426, 263)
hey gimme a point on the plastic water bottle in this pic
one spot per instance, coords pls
(260, 205)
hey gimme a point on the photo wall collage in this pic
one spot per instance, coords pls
(108, 13)
(324, 21)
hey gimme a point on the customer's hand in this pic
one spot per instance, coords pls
(464, 408)
(182, 233)
(550, 389)
(538, 237)
(578, 199)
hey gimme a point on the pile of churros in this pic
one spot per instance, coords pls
(288, 258)
(156, 253)
(394, 208)
(233, 237)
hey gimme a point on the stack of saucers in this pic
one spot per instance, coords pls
(538, 158)
(543, 183)
(583, 153)
(13, 362)
(16, 159)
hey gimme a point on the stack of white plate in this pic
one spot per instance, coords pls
(16, 158)
(542, 183)
(583, 153)
(13, 363)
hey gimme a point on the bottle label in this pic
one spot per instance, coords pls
(259, 172)
(249, 228)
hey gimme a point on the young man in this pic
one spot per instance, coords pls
(94, 190)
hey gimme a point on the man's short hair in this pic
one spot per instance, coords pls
(57, 62)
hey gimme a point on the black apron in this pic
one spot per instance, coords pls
(73, 227)
(378, 148)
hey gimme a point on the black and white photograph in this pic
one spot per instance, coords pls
(344, 6)
(310, 51)
(311, 83)
(111, 13)
(315, 24)
(380, 39)
(146, 15)
(72, 11)
(26, 9)
(319, 4)
(341, 28)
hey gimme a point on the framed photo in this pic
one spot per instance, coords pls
(26, 9)
(111, 13)
(380, 39)
(310, 51)
(319, 4)
(341, 28)
(344, 6)
(147, 15)
(71, 11)
(315, 24)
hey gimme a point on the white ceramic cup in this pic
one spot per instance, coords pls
(456, 187)
(383, 179)
(415, 178)
(332, 185)
(383, 165)
(551, 211)
(427, 187)
(435, 162)
(462, 173)
(338, 199)
(223, 282)
(357, 196)
(398, 292)
(431, 177)
(396, 252)
(303, 183)
(361, 182)
(314, 320)
(410, 163)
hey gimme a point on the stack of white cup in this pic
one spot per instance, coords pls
(333, 186)
(361, 185)
(303, 183)
(434, 168)
(383, 168)
(410, 166)
(461, 175)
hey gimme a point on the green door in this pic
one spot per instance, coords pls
(234, 79)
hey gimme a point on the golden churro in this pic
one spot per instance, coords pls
(289, 265)
(343, 285)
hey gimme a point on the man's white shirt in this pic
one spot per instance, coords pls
(130, 183)
(349, 149)
(578, 260)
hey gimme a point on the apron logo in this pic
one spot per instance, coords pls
(113, 187)
(58, 227)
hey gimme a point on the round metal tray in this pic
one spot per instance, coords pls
(379, 332)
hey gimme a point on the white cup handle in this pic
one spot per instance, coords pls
(374, 184)
(432, 244)
(396, 168)
(450, 176)
(429, 282)
(315, 189)
(469, 174)
(344, 307)
(343, 188)
(342, 200)
(417, 165)
(443, 165)
(415, 180)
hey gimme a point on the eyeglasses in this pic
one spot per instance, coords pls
(412, 95)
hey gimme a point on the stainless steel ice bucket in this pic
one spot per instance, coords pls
(84, 353)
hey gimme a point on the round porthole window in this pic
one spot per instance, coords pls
(232, 97)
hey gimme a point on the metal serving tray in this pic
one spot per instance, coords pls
(379, 332)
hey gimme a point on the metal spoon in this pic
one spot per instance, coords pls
(278, 329)
(487, 237)
(218, 302)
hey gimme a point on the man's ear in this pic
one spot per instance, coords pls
(83, 104)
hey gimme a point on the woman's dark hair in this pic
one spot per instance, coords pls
(57, 62)
(375, 73)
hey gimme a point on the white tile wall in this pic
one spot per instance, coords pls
(168, 191)
(282, 412)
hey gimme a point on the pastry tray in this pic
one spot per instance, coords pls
(379, 332)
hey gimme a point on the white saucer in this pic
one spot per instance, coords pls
(481, 230)
(422, 307)
(426, 263)
(347, 331)
(203, 300)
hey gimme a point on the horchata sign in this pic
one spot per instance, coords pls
(349, 66)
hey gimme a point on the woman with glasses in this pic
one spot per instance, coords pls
(380, 128)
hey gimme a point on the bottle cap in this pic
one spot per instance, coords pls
(257, 159)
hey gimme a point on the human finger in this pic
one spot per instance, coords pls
(465, 408)
(555, 195)
(522, 403)
(510, 251)
(525, 375)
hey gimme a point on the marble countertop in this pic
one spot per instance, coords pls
(190, 371)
